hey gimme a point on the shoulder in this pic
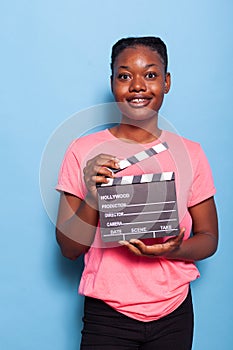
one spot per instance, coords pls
(99, 136)
(179, 142)
(84, 143)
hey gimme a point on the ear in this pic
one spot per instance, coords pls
(167, 83)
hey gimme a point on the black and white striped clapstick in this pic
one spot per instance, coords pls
(125, 163)
(139, 179)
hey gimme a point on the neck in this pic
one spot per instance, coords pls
(143, 131)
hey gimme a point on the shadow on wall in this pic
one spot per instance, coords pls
(69, 272)
(61, 277)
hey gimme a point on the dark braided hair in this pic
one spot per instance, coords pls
(154, 43)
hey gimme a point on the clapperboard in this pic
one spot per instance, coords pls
(141, 206)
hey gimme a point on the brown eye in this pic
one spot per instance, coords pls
(151, 75)
(124, 76)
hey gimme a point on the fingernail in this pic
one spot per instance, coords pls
(117, 161)
(123, 242)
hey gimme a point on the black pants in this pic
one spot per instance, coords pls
(105, 328)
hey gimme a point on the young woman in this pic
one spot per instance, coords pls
(137, 292)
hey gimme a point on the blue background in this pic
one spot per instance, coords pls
(54, 62)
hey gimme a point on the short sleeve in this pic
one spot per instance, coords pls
(203, 185)
(70, 178)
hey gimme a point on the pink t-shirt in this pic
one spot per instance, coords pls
(139, 287)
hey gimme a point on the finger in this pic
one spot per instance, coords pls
(98, 171)
(149, 250)
(133, 249)
(97, 179)
(97, 175)
(125, 243)
(139, 245)
(180, 236)
(174, 242)
(107, 160)
(101, 166)
(93, 180)
(182, 232)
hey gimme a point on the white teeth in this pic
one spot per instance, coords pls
(138, 100)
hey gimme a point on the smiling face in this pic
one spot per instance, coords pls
(139, 82)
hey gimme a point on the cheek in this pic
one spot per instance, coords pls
(158, 88)
(119, 91)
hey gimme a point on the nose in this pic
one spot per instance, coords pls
(137, 84)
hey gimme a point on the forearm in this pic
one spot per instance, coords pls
(198, 247)
(76, 234)
(204, 241)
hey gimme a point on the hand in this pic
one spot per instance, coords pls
(97, 171)
(137, 247)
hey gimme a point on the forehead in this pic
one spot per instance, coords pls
(139, 55)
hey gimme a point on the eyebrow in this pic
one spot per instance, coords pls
(147, 66)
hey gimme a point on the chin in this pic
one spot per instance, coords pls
(138, 114)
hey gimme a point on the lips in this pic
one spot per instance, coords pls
(139, 101)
